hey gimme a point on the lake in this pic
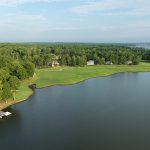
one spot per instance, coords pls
(144, 45)
(106, 113)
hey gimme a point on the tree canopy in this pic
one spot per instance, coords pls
(18, 61)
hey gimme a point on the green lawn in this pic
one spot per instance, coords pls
(70, 75)
(24, 91)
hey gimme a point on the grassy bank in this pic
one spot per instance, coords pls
(70, 75)
(22, 94)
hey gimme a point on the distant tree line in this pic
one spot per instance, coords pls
(18, 61)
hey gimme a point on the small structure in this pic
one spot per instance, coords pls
(129, 62)
(90, 63)
(55, 63)
(109, 63)
(4, 114)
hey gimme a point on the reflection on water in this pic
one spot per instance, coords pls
(15, 116)
(108, 113)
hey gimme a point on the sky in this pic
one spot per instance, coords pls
(75, 21)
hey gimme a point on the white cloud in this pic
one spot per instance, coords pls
(28, 26)
(22, 21)
(115, 7)
(19, 2)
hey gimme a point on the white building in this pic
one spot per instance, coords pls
(55, 63)
(90, 63)
(109, 63)
(129, 62)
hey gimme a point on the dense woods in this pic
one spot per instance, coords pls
(18, 61)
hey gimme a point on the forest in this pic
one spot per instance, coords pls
(18, 61)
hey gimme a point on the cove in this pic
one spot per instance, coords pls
(106, 113)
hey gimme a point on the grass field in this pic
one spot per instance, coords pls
(70, 75)
(24, 91)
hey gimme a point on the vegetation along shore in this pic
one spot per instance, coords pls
(60, 64)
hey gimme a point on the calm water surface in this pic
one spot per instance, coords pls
(110, 113)
(144, 45)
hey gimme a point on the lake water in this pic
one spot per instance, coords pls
(144, 45)
(107, 113)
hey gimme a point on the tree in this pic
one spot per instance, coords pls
(29, 67)
(78, 61)
(81, 61)
(96, 59)
(14, 84)
(63, 60)
(18, 70)
(38, 60)
(47, 59)
(1, 88)
(6, 92)
(136, 59)
(68, 58)
(102, 61)
(3, 74)
(74, 62)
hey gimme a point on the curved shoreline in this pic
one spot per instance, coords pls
(19, 101)
(14, 102)
(67, 84)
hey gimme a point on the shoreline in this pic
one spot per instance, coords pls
(14, 102)
(67, 84)
(6, 105)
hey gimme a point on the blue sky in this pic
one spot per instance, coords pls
(74, 21)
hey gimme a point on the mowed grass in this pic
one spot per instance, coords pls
(71, 75)
(24, 91)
